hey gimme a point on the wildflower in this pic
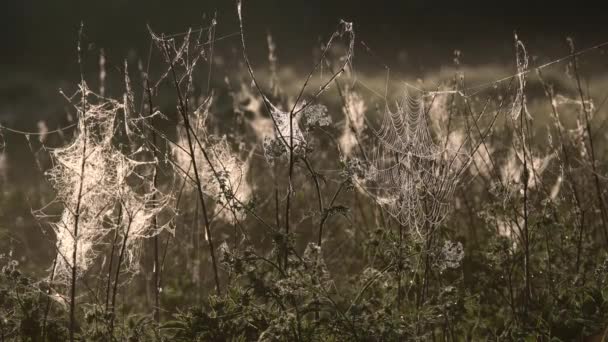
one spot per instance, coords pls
(451, 255)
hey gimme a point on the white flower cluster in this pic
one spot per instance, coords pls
(451, 255)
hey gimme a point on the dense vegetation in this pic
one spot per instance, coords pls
(343, 210)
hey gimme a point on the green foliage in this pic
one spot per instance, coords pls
(26, 312)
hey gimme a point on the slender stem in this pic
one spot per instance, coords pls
(399, 268)
(326, 214)
(184, 113)
(427, 269)
(289, 193)
(315, 179)
(109, 282)
(116, 277)
(77, 213)
(596, 179)
(48, 300)
(156, 280)
(568, 167)
(526, 237)
(154, 219)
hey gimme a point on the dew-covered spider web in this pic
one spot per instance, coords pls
(409, 174)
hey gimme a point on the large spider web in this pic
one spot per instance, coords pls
(409, 174)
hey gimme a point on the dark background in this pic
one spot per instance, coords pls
(40, 36)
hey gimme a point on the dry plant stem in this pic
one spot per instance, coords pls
(112, 250)
(48, 299)
(596, 179)
(197, 255)
(451, 112)
(184, 113)
(471, 217)
(315, 179)
(427, 268)
(485, 134)
(482, 141)
(326, 214)
(399, 268)
(292, 113)
(156, 279)
(289, 193)
(523, 124)
(276, 199)
(77, 211)
(116, 277)
(550, 264)
(399, 245)
(241, 204)
(526, 232)
(568, 166)
(177, 202)
(376, 208)
(350, 121)
(277, 212)
(154, 220)
(361, 210)
(211, 39)
(254, 79)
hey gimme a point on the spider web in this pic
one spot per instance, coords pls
(409, 174)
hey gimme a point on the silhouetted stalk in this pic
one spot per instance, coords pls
(399, 246)
(427, 258)
(326, 214)
(360, 209)
(349, 120)
(526, 233)
(184, 113)
(277, 217)
(568, 168)
(525, 177)
(79, 195)
(117, 275)
(156, 313)
(427, 268)
(596, 179)
(376, 207)
(289, 192)
(294, 110)
(399, 268)
(156, 280)
(112, 250)
(197, 260)
(48, 299)
(315, 179)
